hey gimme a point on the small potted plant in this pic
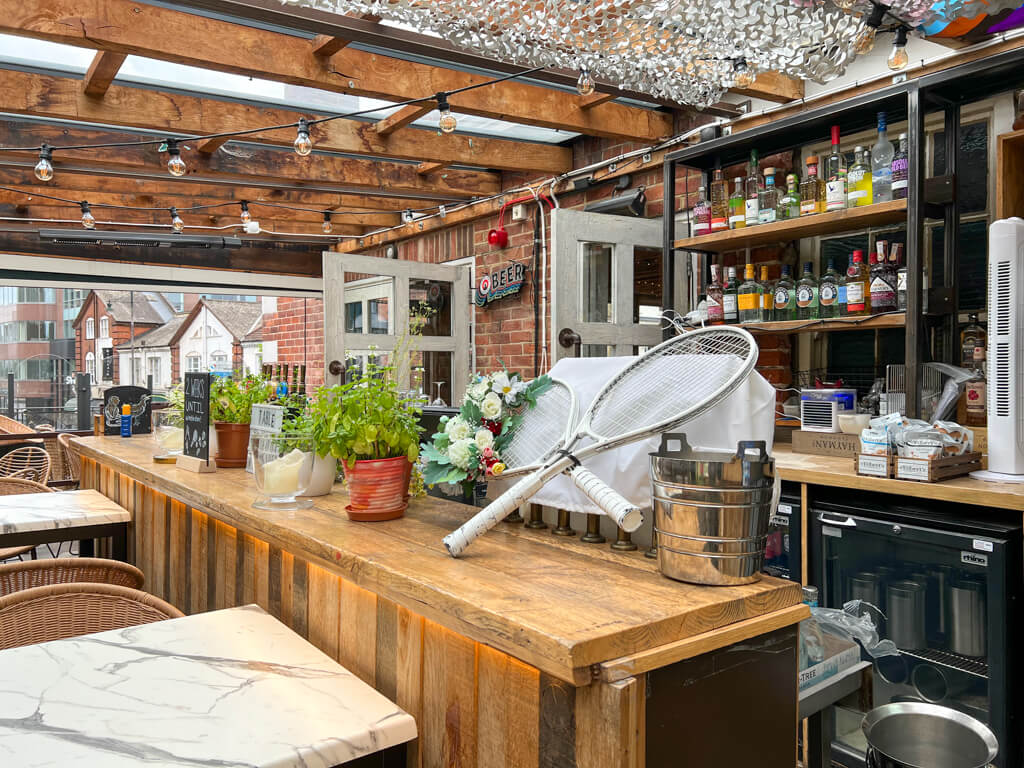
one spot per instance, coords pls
(373, 429)
(231, 404)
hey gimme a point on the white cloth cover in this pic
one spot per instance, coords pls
(747, 414)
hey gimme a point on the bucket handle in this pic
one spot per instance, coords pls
(670, 437)
(752, 445)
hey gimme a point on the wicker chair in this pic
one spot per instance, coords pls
(28, 462)
(72, 458)
(41, 614)
(15, 577)
(10, 486)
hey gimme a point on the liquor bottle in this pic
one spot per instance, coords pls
(751, 192)
(701, 215)
(835, 176)
(881, 164)
(807, 295)
(737, 206)
(730, 296)
(895, 259)
(973, 339)
(785, 296)
(749, 297)
(714, 298)
(767, 198)
(828, 293)
(883, 287)
(842, 293)
(812, 190)
(789, 205)
(767, 297)
(858, 293)
(719, 203)
(977, 410)
(900, 170)
(858, 181)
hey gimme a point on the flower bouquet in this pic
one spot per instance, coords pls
(468, 448)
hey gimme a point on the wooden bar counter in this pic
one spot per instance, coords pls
(530, 650)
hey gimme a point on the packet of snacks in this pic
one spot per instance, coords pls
(874, 442)
(924, 444)
(961, 439)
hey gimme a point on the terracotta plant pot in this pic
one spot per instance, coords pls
(378, 489)
(232, 445)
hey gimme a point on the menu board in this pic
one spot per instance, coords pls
(197, 415)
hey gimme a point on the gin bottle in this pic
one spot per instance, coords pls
(749, 297)
(835, 176)
(858, 181)
(767, 298)
(812, 190)
(900, 170)
(714, 298)
(807, 295)
(789, 205)
(785, 296)
(858, 290)
(767, 198)
(751, 192)
(828, 293)
(730, 297)
(701, 215)
(881, 164)
(737, 206)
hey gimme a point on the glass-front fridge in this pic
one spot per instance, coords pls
(943, 582)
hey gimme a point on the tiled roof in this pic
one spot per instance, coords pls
(145, 309)
(255, 333)
(158, 337)
(237, 316)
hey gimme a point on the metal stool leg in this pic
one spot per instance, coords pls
(515, 518)
(653, 551)
(623, 542)
(563, 528)
(593, 534)
(536, 517)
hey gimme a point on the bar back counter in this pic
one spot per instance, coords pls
(530, 650)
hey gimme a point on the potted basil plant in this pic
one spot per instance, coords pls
(231, 404)
(373, 430)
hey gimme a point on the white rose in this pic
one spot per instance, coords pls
(460, 454)
(500, 383)
(458, 428)
(478, 390)
(484, 439)
(490, 406)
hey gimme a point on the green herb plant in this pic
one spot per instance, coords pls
(231, 401)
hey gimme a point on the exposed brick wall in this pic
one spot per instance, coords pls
(298, 328)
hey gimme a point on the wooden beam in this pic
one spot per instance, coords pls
(58, 97)
(595, 100)
(101, 73)
(424, 169)
(774, 86)
(211, 145)
(402, 118)
(184, 38)
(325, 46)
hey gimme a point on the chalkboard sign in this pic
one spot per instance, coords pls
(141, 401)
(108, 364)
(197, 415)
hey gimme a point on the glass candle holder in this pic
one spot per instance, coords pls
(168, 434)
(283, 466)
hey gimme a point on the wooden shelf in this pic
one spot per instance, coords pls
(795, 229)
(868, 323)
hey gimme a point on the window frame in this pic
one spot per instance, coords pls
(105, 327)
(90, 328)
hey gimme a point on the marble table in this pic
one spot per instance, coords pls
(44, 518)
(233, 689)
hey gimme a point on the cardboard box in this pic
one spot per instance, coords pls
(825, 443)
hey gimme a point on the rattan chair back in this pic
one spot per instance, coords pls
(29, 462)
(42, 614)
(15, 577)
(72, 458)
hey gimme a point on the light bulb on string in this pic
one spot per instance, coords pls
(88, 220)
(585, 85)
(744, 78)
(176, 222)
(44, 168)
(866, 40)
(447, 123)
(327, 227)
(899, 58)
(245, 216)
(303, 144)
(844, 5)
(175, 165)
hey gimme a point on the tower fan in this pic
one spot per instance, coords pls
(1006, 351)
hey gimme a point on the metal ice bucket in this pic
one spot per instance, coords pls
(711, 511)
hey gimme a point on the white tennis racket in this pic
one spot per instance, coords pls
(547, 428)
(676, 381)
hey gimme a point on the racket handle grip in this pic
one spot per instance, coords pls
(625, 514)
(457, 541)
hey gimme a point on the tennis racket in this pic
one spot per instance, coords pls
(544, 430)
(676, 381)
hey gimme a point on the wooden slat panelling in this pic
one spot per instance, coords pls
(324, 592)
(448, 735)
(508, 711)
(177, 556)
(224, 581)
(597, 744)
(409, 675)
(358, 625)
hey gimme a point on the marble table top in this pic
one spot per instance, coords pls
(233, 689)
(66, 509)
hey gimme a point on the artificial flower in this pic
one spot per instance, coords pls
(458, 428)
(484, 439)
(490, 406)
(478, 390)
(497, 468)
(501, 384)
(460, 453)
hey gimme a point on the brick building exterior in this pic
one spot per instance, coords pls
(105, 322)
(295, 333)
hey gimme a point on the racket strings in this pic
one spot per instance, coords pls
(684, 375)
(541, 429)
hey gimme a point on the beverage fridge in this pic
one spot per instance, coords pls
(943, 582)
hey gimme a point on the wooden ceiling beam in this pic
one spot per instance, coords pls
(325, 46)
(101, 73)
(184, 38)
(402, 118)
(595, 100)
(211, 145)
(424, 169)
(773, 86)
(58, 97)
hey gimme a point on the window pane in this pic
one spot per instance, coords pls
(972, 280)
(597, 350)
(432, 300)
(353, 317)
(972, 165)
(380, 320)
(437, 375)
(596, 284)
(840, 249)
(647, 286)
(370, 299)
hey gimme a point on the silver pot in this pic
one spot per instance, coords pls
(913, 735)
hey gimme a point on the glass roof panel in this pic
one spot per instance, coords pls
(35, 54)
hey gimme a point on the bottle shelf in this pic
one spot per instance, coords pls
(866, 323)
(875, 215)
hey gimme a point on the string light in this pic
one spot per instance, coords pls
(447, 123)
(326, 226)
(899, 58)
(407, 216)
(88, 220)
(585, 85)
(303, 144)
(176, 223)
(866, 40)
(844, 5)
(744, 77)
(175, 165)
(245, 216)
(44, 168)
